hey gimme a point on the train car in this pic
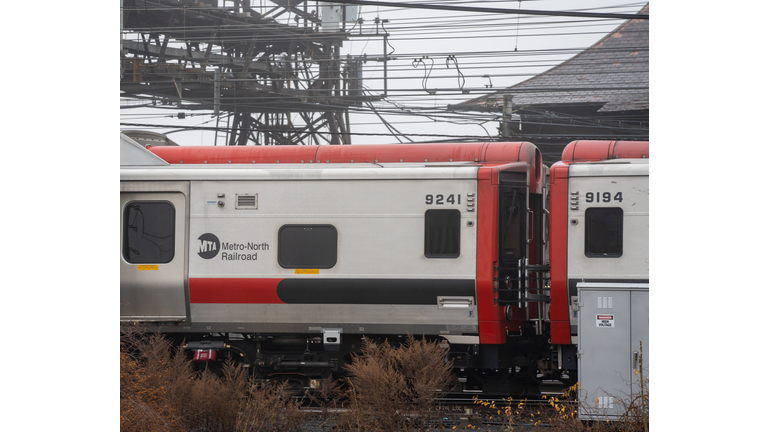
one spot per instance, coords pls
(283, 258)
(599, 203)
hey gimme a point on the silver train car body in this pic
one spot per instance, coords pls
(348, 239)
(285, 267)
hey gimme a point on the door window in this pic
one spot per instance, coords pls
(148, 232)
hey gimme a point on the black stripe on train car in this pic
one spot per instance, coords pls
(372, 291)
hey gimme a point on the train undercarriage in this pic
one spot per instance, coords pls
(517, 368)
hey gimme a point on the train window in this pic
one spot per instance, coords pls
(307, 246)
(512, 213)
(148, 232)
(604, 232)
(441, 233)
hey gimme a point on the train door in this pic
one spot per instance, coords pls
(522, 270)
(153, 251)
(513, 216)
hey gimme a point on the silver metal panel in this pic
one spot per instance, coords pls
(330, 315)
(604, 348)
(455, 302)
(156, 292)
(134, 154)
(332, 339)
(613, 285)
(640, 334)
(317, 328)
(298, 172)
(377, 213)
(377, 222)
(609, 168)
(631, 180)
(613, 319)
(462, 340)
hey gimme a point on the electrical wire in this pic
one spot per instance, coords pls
(405, 31)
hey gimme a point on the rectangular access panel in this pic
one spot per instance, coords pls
(613, 322)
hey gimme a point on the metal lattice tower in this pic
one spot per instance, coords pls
(278, 83)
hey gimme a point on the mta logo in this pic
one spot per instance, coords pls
(208, 246)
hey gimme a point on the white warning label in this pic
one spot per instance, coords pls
(605, 321)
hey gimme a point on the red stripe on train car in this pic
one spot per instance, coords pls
(233, 290)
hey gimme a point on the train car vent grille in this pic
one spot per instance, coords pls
(247, 201)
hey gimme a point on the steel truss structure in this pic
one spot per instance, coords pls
(278, 83)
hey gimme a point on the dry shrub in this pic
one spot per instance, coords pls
(634, 415)
(394, 388)
(509, 415)
(329, 395)
(566, 412)
(562, 413)
(269, 408)
(160, 390)
(205, 401)
(144, 384)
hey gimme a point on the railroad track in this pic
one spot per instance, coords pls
(487, 414)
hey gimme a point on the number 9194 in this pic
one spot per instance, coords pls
(602, 197)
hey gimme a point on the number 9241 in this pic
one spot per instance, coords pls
(440, 199)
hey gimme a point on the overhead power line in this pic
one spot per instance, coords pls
(492, 10)
(287, 81)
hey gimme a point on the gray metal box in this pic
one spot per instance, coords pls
(612, 322)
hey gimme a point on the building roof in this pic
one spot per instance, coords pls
(612, 72)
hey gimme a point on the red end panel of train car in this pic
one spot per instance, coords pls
(592, 151)
(491, 328)
(558, 254)
(503, 227)
(523, 152)
(235, 154)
